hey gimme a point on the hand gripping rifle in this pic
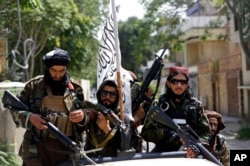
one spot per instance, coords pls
(108, 113)
(124, 128)
(185, 132)
(154, 73)
(10, 101)
(111, 116)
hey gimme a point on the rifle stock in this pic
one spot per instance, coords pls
(12, 102)
(184, 132)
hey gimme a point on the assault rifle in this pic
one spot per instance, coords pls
(185, 132)
(11, 102)
(115, 120)
(154, 73)
(111, 116)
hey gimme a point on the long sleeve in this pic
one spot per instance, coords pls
(21, 117)
(204, 131)
(224, 154)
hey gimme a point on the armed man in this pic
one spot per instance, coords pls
(142, 97)
(183, 108)
(61, 101)
(101, 131)
(139, 114)
(218, 145)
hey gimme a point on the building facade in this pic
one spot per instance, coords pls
(215, 61)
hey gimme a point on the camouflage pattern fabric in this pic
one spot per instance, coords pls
(165, 138)
(221, 150)
(134, 90)
(32, 95)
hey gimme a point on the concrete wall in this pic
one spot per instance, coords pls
(213, 49)
(205, 89)
(223, 94)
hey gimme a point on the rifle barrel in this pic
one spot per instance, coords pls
(187, 134)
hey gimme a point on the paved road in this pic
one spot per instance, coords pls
(230, 133)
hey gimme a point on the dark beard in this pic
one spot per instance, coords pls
(57, 87)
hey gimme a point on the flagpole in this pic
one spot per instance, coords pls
(118, 60)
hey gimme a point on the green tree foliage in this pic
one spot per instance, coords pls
(69, 24)
(164, 16)
(134, 44)
(9, 158)
(140, 39)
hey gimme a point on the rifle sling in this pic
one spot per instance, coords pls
(105, 141)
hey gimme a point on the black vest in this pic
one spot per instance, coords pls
(185, 112)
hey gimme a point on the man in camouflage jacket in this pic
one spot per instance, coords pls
(218, 145)
(179, 104)
(55, 96)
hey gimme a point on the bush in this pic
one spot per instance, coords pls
(244, 133)
(9, 158)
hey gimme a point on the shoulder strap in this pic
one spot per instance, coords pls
(73, 95)
(105, 141)
(220, 142)
(39, 90)
(192, 113)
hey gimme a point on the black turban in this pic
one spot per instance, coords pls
(56, 57)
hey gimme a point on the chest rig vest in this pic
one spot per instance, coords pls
(57, 113)
(182, 113)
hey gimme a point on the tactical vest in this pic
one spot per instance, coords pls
(57, 113)
(185, 114)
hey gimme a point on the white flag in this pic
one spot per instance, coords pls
(107, 62)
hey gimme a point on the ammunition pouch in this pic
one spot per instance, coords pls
(57, 114)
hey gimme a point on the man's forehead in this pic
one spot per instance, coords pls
(180, 76)
(214, 119)
(58, 67)
(108, 87)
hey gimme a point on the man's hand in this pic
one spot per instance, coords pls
(37, 121)
(103, 123)
(76, 116)
(139, 115)
(92, 113)
(192, 151)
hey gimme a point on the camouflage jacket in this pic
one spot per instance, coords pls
(221, 150)
(32, 95)
(165, 138)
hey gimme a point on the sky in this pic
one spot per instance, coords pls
(129, 8)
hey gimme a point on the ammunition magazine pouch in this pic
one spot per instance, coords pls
(57, 113)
